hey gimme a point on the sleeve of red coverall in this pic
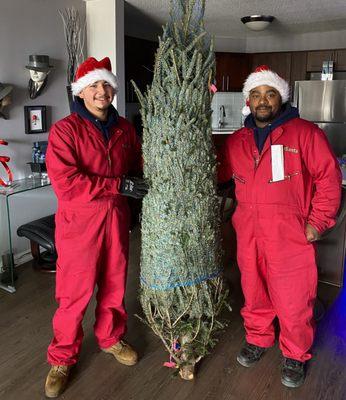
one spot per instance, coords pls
(69, 183)
(224, 168)
(323, 166)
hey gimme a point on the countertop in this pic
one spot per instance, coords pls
(225, 131)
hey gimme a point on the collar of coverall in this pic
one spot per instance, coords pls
(80, 109)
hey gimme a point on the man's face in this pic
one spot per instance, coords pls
(265, 103)
(98, 96)
(38, 76)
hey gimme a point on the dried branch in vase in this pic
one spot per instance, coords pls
(74, 31)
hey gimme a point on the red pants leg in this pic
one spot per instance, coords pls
(292, 288)
(258, 312)
(110, 312)
(79, 241)
(292, 281)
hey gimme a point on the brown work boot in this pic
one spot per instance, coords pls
(123, 353)
(57, 380)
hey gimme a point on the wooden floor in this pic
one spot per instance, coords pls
(25, 331)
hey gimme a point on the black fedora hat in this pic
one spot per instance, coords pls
(39, 63)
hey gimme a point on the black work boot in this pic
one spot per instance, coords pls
(250, 354)
(292, 373)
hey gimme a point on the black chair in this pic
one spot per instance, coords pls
(41, 233)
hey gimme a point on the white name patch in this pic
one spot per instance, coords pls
(277, 152)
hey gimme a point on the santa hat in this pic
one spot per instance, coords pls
(91, 71)
(264, 76)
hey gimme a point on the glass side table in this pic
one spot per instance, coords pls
(7, 278)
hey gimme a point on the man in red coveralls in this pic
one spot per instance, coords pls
(90, 155)
(288, 186)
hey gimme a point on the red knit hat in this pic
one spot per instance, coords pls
(91, 71)
(264, 76)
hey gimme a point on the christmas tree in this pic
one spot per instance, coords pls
(182, 289)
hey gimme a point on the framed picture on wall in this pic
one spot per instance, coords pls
(35, 119)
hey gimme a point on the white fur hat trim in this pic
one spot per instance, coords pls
(92, 77)
(265, 77)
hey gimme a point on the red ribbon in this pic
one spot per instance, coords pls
(212, 88)
(4, 160)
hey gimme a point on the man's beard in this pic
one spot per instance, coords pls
(265, 118)
(103, 108)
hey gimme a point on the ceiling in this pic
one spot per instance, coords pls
(222, 17)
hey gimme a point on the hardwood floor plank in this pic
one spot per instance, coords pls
(25, 332)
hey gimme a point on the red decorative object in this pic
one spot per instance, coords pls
(34, 119)
(4, 160)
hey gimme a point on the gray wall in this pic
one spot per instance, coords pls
(30, 27)
(301, 42)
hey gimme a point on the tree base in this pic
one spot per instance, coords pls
(187, 372)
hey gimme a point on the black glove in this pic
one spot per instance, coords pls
(133, 187)
(225, 187)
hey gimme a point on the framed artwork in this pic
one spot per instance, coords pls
(35, 119)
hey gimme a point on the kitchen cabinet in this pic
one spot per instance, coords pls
(231, 71)
(289, 65)
(278, 62)
(219, 140)
(298, 68)
(315, 59)
(340, 60)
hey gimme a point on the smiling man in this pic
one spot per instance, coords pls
(288, 187)
(90, 155)
(264, 112)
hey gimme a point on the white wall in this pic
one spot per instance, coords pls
(30, 27)
(225, 44)
(105, 33)
(301, 42)
(283, 42)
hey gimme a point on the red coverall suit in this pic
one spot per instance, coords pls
(92, 230)
(277, 263)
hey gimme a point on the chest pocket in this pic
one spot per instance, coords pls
(127, 153)
(121, 156)
(292, 162)
(286, 191)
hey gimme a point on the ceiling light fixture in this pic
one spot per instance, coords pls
(257, 22)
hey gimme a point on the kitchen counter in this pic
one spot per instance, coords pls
(225, 131)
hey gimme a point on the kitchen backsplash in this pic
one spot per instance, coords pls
(233, 103)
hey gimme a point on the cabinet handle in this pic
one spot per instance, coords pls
(223, 83)
(227, 84)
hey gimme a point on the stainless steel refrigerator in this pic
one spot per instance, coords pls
(324, 102)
